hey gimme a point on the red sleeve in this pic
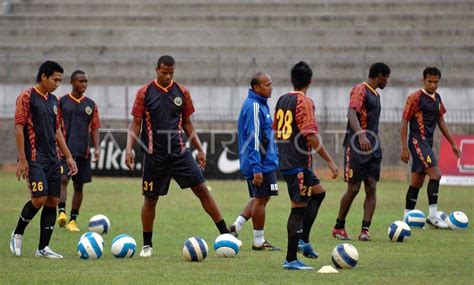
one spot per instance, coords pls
(442, 109)
(357, 97)
(188, 107)
(139, 105)
(411, 106)
(305, 119)
(58, 116)
(95, 122)
(22, 110)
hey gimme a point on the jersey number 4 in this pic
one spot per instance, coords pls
(285, 119)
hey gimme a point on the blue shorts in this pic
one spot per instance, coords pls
(84, 171)
(422, 155)
(159, 169)
(44, 178)
(358, 167)
(300, 185)
(269, 186)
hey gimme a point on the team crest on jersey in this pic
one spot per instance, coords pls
(88, 110)
(178, 101)
(55, 109)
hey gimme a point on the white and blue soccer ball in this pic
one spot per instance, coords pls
(415, 218)
(123, 245)
(442, 216)
(226, 245)
(99, 224)
(195, 249)
(457, 221)
(345, 256)
(399, 231)
(90, 246)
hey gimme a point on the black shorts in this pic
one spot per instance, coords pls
(269, 186)
(358, 167)
(300, 185)
(422, 155)
(44, 178)
(84, 171)
(159, 169)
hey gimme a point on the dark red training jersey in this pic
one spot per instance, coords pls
(38, 113)
(78, 117)
(162, 110)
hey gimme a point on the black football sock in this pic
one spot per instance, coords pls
(62, 207)
(294, 229)
(412, 197)
(310, 214)
(48, 218)
(147, 238)
(222, 227)
(74, 214)
(340, 224)
(433, 188)
(27, 214)
(366, 225)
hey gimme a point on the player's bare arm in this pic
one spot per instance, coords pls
(22, 168)
(188, 128)
(62, 145)
(316, 144)
(95, 143)
(133, 132)
(447, 134)
(405, 155)
(355, 125)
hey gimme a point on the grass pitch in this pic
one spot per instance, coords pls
(429, 257)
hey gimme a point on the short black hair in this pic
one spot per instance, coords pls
(301, 75)
(256, 79)
(379, 68)
(48, 68)
(75, 73)
(167, 60)
(431, 70)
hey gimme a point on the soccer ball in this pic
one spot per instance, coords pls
(442, 216)
(195, 249)
(90, 246)
(123, 245)
(226, 245)
(99, 224)
(415, 218)
(399, 231)
(345, 256)
(457, 221)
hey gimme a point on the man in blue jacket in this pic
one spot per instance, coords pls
(258, 158)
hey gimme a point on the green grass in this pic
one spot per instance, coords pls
(429, 257)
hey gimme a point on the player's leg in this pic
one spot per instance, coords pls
(62, 217)
(246, 214)
(35, 180)
(339, 231)
(370, 202)
(317, 196)
(294, 225)
(433, 190)
(48, 214)
(417, 179)
(148, 218)
(209, 204)
(75, 206)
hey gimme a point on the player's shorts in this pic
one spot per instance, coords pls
(44, 178)
(422, 155)
(358, 167)
(84, 171)
(300, 185)
(159, 169)
(269, 186)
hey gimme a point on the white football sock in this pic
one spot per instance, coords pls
(433, 211)
(239, 222)
(258, 238)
